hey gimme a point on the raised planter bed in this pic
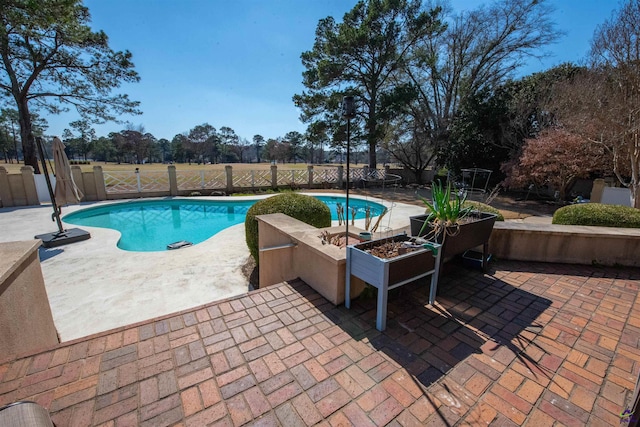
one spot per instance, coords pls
(389, 273)
(473, 233)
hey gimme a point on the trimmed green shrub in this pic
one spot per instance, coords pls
(598, 214)
(299, 206)
(483, 207)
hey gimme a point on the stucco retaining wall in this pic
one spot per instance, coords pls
(571, 244)
(26, 322)
(323, 267)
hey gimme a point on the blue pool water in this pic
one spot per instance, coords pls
(149, 226)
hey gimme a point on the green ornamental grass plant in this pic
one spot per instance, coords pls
(445, 211)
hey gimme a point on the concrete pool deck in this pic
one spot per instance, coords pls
(93, 286)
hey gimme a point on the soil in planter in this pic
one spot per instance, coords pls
(339, 239)
(390, 249)
(352, 241)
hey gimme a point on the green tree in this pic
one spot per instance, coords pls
(155, 151)
(272, 149)
(10, 123)
(317, 136)
(164, 147)
(405, 140)
(122, 146)
(360, 57)
(239, 151)
(476, 133)
(180, 149)
(133, 144)
(82, 142)
(601, 103)
(205, 143)
(103, 149)
(5, 145)
(52, 60)
(71, 144)
(295, 140)
(10, 129)
(527, 101)
(228, 139)
(479, 51)
(490, 126)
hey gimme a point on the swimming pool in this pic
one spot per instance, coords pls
(150, 225)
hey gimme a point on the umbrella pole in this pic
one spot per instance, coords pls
(56, 210)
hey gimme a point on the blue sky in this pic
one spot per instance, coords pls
(237, 63)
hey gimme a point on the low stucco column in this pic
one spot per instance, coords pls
(173, 180)
(29, 184)
(78, 179)
(228, 169)
(310, 174)
(6, 198)
(340, 176)
(274, 176)
(101, 189)
(597, 190)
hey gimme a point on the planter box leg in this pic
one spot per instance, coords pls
(347, 282)
(485, 256)
(381, 314)
(434, 278)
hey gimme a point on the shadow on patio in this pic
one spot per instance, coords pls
(473, 314)
(527, 343)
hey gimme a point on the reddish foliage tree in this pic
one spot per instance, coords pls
(556, 158)
(603, 103)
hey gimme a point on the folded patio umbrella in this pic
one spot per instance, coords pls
(66, 193)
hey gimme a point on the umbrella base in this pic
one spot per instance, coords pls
(73, 235)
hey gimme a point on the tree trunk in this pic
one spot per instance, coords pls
(372, 147)
(26, 134)
(564, 188)
(418, 175)
(634, 187)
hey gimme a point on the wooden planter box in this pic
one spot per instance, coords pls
(471, 235)
(389, 273)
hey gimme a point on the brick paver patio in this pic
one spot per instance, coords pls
(527, 344)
